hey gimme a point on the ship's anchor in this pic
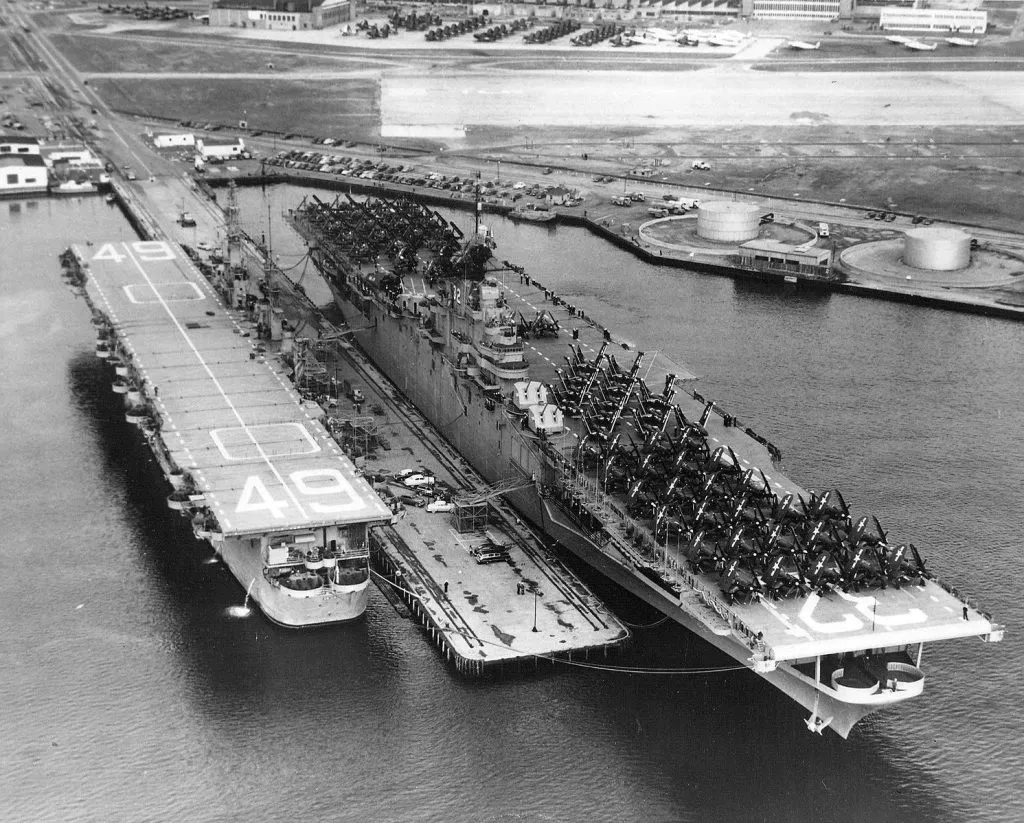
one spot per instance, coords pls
(814, 723)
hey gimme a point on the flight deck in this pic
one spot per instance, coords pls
(249, 462)
(790, 628)
(227, 414)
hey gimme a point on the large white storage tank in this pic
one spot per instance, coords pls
(937, 249)
(727, 221)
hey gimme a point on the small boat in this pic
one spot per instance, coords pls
(532, 215)
(75, 187)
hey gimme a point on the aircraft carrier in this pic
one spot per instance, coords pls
(250, 464)
(644, 480)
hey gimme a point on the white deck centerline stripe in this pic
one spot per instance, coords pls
(216, 382)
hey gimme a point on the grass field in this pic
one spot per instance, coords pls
(346, 107)
(101, 54)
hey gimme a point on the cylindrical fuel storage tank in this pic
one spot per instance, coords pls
(728, 221)
(937, 249)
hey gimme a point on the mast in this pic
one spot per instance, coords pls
(477, 205)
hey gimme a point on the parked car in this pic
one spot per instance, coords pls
(440, 505)
(410, 499)
(415, 480)
(490, 554)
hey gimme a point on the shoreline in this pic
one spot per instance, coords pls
(963, 303)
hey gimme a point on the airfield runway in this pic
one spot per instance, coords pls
(728, 94)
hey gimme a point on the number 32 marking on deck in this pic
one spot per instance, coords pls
(256, 497)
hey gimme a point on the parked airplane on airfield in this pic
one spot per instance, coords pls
(662, 35)
(962, 41)
(898, 40)
(804, 46)
(727, 39)
(917, 45)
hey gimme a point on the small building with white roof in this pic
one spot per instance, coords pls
(213, 148)
(22, 174)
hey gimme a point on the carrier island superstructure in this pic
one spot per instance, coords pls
(250, 463)
(647, 483)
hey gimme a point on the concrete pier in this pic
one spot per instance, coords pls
(483, 617)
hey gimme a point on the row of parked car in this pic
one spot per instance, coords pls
(420, 488)
(414, 487)
(381, 171)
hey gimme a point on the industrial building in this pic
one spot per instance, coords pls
(74, 162)
(797, 9)
(774, 256)
(22, 173)
(13, 144)
(945, 20)
(281, 15)
(903, 14)
(687, 9)
(210, 148)
(169, 141)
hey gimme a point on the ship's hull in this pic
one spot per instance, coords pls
(843, 715)
(324, 606)
(497, 448)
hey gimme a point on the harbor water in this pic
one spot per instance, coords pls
(136, 689)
